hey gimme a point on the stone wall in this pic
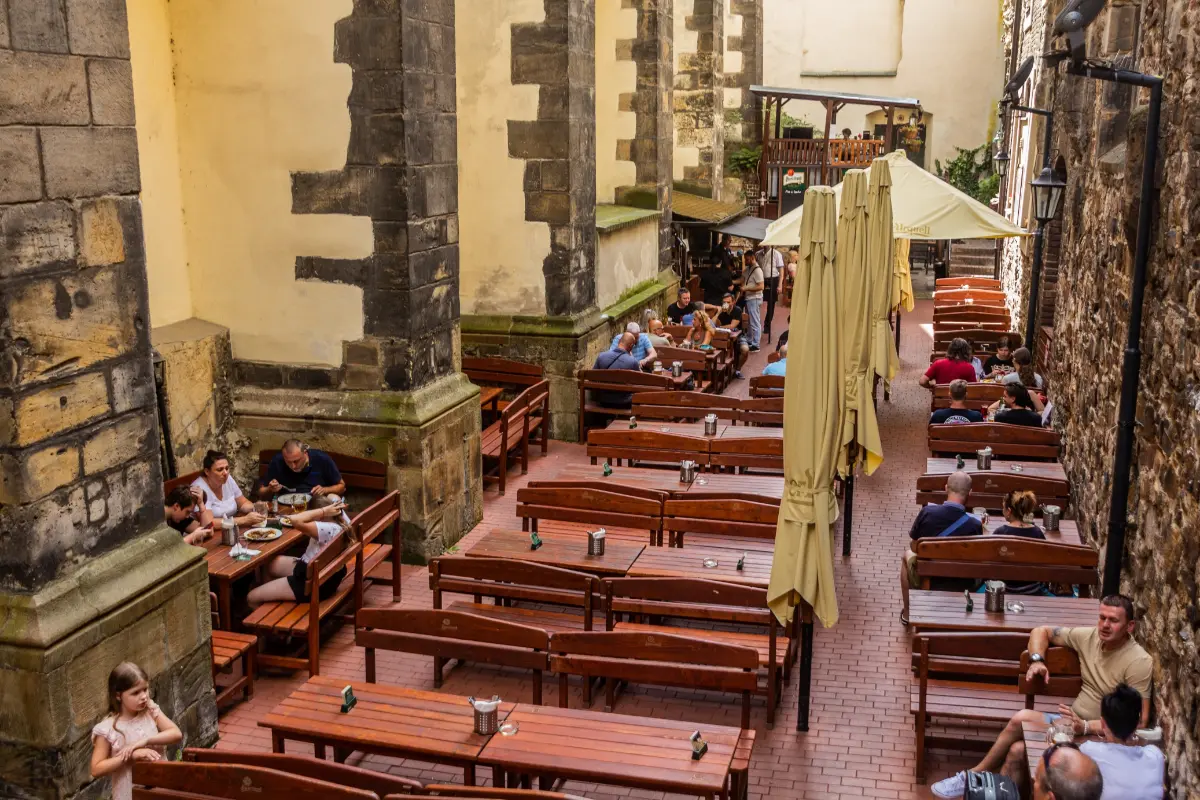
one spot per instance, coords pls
(697, 98)
(1103, 130)
(742, 110)
(197, 389)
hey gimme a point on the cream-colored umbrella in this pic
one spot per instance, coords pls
(902, 291)
(881, 262)
(855, 290)
(812, 400)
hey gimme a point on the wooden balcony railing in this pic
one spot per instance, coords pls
(811, 152)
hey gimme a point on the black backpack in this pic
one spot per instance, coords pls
(987, 786)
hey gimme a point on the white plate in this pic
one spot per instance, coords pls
(274, 534)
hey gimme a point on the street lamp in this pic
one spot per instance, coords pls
(1000, 162)
(1047, 196)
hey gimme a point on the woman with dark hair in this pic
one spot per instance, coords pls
(1019, 506)
(1017, 407)
(1131, 771)
(1024, 375)
(289, 574)
(222, 497)
(955, 366)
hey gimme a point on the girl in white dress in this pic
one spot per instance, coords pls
(134, 730)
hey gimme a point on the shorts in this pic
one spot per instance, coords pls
(299, 577)
(1049, 718)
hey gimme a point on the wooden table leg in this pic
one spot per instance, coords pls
(499, 779)
(319, 752)
(469, 775)
(277, 742)
(225, 604)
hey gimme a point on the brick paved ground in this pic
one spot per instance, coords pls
(860, 743)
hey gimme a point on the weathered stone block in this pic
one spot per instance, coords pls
(132, 385)
(85, 162)
(49, 411)
(102, 241)
(110, 82)
(377, 139)
(35, 236)
(554, 207)
(42, 89)
(21, 178)
(351, 271)
(31, 475)
(538, 139)
(432, 191)
(115, 444)
(37, 25)
(98, 28)
(368, 43)
(362, 378)
(5, 41)
(258, 374)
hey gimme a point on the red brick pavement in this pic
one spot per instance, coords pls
(860, 743)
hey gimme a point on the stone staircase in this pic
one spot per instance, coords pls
(974, 258)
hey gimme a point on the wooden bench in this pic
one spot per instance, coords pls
(369, 780)
(182, 480)
(977, 297)
(1007, 441)
(969, 282)
(706, 601)
(978, 394)
(684, 406)
(524, 416)
(986, 684)
(766, 386)
(453, 635)
(988, 489)
(742, 454)
(377, 561)
(302, 621)
(985, 340)
(455, 792)
(172, 780)
(711, 521)
(701, 363)
(227, 649)
(615, 380)
(645, 444)
(625, 513)
(501, 372)
(655, 658)
(764, 412)
(1006, 558)
(358, 473)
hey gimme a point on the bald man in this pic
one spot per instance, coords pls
(617, 358)
(1067, 774)
(950, 518)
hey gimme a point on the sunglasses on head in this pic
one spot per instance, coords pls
(1049, 752)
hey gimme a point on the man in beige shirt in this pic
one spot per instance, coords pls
(1108, 656)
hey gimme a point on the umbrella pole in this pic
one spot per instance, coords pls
(848, 513)
(806, 644)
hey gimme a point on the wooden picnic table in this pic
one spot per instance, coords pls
(597, 747)
(224, 569)
(947, 611)
(664, 480)
(767, 485)
(664, 426)
(688, 562)
(558, 550)
(388, 720)
(946, 466)
(490, 396)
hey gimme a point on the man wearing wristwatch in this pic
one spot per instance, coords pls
(1108, 657)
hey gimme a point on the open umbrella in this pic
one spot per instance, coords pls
(881, 263)
(855, 292)
(803, 563)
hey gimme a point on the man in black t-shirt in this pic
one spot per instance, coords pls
(1001, 362)
(681, 307)
(957, 413)
(178, 508)
(730, 317)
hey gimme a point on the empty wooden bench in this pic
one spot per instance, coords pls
(377, 561)
(1018, 442)
(458, 635)
(1006, 558)
(706, 601)
(299, 624)
(524, 416)
(978, 297)
(987, 683)
(228, 648)
(967, 282)
(502, 372)
(370, 780)
(645, 444)
(576, 507)
(710, 521)
(766, 386)
(655, 658)
(684, 406)
(615, 380)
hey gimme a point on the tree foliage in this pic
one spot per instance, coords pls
(971, 172)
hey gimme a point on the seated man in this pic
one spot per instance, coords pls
(1131, 771)
(681, 307)
(658, 334)
(957, 413)
(300, 468)
(643, 348)
(183, 509)
(950, 518)
(777, 367)
(1108, 657)
(729, 317)
(1065, 773)
(617, 358)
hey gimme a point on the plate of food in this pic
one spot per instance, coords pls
(295, 501)
(262, 534)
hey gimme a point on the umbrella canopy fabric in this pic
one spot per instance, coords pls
(925, 207)
(902, 291)
(855, 290)
(803, 563)
(881, 262)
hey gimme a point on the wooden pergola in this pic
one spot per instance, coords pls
(827, 156)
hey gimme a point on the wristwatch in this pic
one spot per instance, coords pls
(1037, 658)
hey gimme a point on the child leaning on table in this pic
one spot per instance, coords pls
(134, 729)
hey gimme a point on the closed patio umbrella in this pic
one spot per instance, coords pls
(881, 262)
(855, 293)
(902, 291)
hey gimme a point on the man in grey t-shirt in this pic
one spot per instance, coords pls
(753, 284)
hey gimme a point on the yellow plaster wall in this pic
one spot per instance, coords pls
(500, 254)
(951, 58)
(158, 156)
(684, 43)
(625, 258)
(613, 78)
(259, 96)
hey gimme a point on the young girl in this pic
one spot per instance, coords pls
(321, 525)
(132, 731)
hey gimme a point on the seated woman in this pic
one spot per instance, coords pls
(702, 331)
(1017, 507)
(222, 497)
(182, 509)
(1024, 373)
(289, 573)
(1017, 407)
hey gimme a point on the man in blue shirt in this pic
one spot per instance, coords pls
(300, 468)
(950, 518)
(957, 413)
(617, 358)
(643, 348)
(777, 367)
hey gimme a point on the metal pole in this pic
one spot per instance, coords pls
(806, 645)
(848, 522)
(1034, 280)
(897, 331)
(1118, 510)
